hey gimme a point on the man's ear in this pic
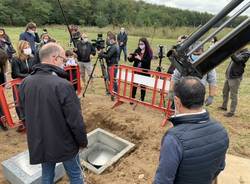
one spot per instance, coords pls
(177, 101)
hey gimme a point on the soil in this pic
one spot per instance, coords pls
(141, 126)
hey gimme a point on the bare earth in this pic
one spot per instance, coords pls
(141, 127)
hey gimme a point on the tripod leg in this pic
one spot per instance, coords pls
(90, 77)
(105, 75)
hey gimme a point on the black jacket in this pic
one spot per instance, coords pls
(145, 63)
(53, 116)
(122, 37)
(21, 69)
(111, 55)
(237, 66)
(84, 50)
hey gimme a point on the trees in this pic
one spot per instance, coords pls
(99, 13)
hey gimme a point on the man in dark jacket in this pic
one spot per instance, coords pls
(55, 127)
(122, 39)
(30, 35)
(234, 75)
(193, 151)
(84, 50)
(111, 57)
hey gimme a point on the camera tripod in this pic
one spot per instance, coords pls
(104, 75)
(159, 67)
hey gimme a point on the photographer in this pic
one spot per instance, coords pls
(141, 57)
(84, 49)
(111, 56)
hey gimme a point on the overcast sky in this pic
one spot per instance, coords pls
(211, 6)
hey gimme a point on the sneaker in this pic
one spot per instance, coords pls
(229, 114)
(222, 108)
(112, 98)
(21, 129)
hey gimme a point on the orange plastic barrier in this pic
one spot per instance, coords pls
(74, 77)
(156, 84)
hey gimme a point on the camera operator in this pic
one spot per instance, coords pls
(111, 56)
(84, 50)
(141, 57)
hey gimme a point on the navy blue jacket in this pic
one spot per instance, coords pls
(32, 39)
(193, 151)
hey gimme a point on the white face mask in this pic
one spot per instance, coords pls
(45, 40)
(85, 40)
(32, 32)
(142, 47)
(27, 51)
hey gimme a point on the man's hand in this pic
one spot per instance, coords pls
(209, 100)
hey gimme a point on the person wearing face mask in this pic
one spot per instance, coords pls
(6, 45)
(30, 35)
(122, 39)
(192, 151)
(55, 126)
(21, 67)
(210, 78)
(111, 57)
(84, 49)
(141, 57)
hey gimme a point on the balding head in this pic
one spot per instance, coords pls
(191, 92)
(52, 53)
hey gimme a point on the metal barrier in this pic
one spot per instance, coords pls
(8, 102)
(74, 77)
(156, 84)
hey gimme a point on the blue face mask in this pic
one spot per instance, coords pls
(194, 58)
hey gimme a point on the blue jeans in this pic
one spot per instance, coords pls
(124, 49)
(72, 167)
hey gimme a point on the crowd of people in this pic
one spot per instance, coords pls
(57, 121)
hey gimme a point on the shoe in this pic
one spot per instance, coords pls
(4, 128)
(21, 129)
(112, 98)
(222, 108)
(229, 114)
(131, 103)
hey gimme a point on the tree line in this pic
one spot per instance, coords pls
(99, 13)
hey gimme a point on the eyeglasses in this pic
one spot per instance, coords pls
(64, 58)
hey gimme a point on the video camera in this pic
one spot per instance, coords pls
(99, 43)
(161, 52)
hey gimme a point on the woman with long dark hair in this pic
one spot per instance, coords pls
(141, 57)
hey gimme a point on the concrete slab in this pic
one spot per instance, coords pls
(237, 171)
(17, 170)
(106, 147)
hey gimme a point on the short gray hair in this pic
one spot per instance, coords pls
(48, 50)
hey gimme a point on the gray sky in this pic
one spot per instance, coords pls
(211, 6)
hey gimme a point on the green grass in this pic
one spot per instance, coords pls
(238, 127)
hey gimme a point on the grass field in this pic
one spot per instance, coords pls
(238, 126)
